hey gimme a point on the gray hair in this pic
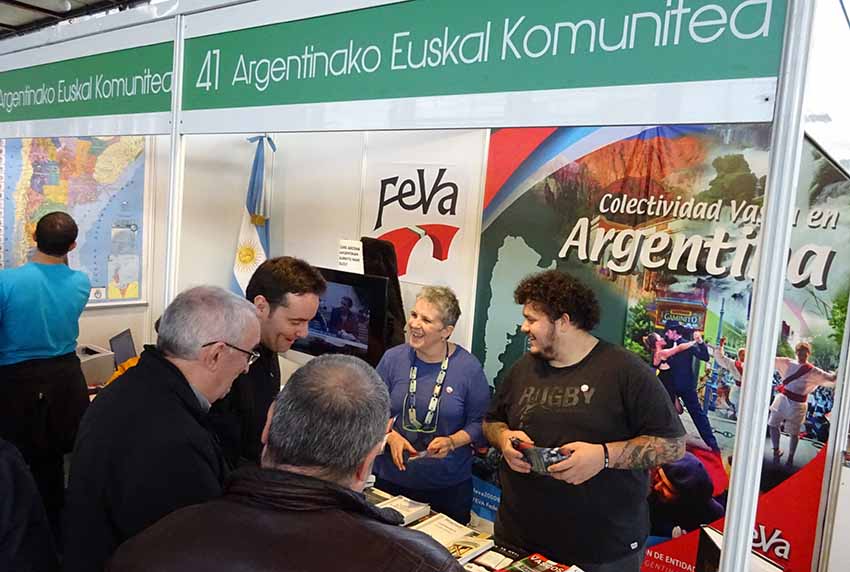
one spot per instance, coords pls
(328, 416)
(445, 300)
(201, 315)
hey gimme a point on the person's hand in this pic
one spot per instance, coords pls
(398, 445)
(514, 458)
(586, 460)
(440, 447)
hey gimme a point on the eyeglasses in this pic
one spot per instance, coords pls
(252, 355)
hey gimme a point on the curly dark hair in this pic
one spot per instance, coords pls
(277, 277)
(556, 293)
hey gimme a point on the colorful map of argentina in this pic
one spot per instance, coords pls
(97, 180)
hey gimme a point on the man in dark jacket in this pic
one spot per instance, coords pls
(682, 496)
(682, 377)
(304, 509)
(285, 292)
(143, 449)
(26, 544)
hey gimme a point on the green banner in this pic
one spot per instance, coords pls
(445, 47)
(135, 80)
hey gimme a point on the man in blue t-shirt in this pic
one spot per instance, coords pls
(42, 389)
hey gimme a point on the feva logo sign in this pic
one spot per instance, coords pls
(443, 47)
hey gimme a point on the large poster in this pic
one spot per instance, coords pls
(100, 182)
(662, 222)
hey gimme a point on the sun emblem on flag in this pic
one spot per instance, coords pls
(246, 256)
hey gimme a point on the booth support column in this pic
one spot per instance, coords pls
(836, 449)
(174, 219)
(762, 333)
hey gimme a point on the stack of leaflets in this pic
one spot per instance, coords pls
(492, 560)
(462, 542)
(539, 563)
(410, 510)
(376, 496)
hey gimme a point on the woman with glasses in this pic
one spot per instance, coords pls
(439, 395)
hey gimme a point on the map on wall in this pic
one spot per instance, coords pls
(100, 182)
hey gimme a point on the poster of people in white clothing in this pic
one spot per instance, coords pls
(662, 222)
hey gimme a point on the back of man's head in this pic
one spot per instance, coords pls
(277, 277)
(201, 315)
(55, 233)
(328, 417)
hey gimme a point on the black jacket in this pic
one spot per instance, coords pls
(238, 419)
(142, 452)
(274, 520)
(681, 373)
(26, 544)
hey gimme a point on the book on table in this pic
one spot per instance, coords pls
(461, 541)
(410, 510)
(376, 496)
(492, 560)
(539, 563)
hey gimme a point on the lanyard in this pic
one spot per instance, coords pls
(435, 396)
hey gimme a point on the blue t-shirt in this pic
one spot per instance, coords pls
(40, 307)
(463, 402)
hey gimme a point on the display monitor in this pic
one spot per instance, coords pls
(351, 319)
(122, 346)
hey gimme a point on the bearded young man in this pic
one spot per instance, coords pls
(599, 404)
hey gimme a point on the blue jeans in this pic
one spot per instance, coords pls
(691, 402)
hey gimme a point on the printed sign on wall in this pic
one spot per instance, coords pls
(443, 47)
(420, 192)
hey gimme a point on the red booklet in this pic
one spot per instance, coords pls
(539, 563)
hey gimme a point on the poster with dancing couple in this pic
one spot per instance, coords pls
(662, 222)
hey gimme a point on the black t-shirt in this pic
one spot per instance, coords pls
(610, 395)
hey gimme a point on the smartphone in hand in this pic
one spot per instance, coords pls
(540, 458)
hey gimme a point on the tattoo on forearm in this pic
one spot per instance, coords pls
(645, 452)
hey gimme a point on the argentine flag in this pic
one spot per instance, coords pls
(252, 248)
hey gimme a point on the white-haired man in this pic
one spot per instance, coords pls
(143, 449)
(304, 508)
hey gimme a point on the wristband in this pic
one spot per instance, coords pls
(605, 450)
(451, 444)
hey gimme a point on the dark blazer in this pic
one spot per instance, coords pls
(26, 544)
(681, 372)
(239, 417)
(143, 451)
(275, 520)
